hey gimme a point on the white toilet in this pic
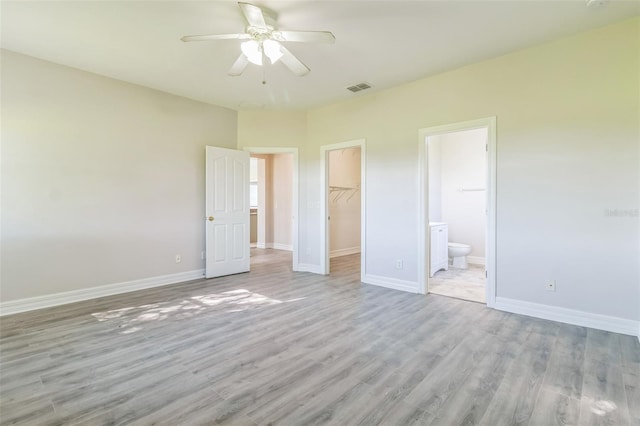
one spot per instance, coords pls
(459, 252)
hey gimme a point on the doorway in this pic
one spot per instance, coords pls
(273, 191)
(457, 207)
(343, 248)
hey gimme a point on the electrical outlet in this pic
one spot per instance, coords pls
(551, 285)
(399, 264)
(178, 258)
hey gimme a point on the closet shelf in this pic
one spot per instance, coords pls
(340, 188)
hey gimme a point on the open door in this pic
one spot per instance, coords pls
(227, 212)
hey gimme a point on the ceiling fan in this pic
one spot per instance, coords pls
(263, 39)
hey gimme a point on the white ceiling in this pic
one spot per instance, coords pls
(384, 43)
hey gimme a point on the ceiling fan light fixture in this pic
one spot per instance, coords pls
(272, 50)
(263, 39)
(251, 49)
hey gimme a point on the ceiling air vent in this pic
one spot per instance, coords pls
(359, 87)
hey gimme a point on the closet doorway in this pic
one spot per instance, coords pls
(343, 208)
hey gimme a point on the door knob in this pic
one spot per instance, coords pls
(210, 218)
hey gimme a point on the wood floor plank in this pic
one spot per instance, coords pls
(278, 347)
(555, 409)
(565, 372)
(515, 399)
(632, 390)
(603, 346)
(604, 400)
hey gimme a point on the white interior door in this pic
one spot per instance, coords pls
(227, 212)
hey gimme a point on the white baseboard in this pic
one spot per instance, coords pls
(253, 245)
(49, 300)
(261, 245)
(278, 246)
(305, 267)
(569, 316)
(393, 283)
(344, 252)
(476, 260)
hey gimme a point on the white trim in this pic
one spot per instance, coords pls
(304, 267)
(261, 245)
(324, 203)
(423, 217)
(392, 283)
(295, 204)
(568, 316)
(56, 299)
(344, 252)
(476, 260)
(278, 246)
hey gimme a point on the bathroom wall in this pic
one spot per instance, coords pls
(462, 161)
(344, 205)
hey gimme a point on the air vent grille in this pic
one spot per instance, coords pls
(358, 87)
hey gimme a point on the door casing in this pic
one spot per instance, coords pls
(423, 196)
(295, 205)
(324, 203)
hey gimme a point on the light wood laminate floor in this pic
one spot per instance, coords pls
(276, 347)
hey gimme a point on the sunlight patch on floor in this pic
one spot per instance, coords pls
(133, 317)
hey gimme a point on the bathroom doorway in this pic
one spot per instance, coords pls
(458, 208)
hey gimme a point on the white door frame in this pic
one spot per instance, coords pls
(423, 195)
(324, 203)
(295, 207)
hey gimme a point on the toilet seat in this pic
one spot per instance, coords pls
(458, 245)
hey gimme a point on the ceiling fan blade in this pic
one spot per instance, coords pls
(254, 15)
(215, 37)
(305, 36)
(293, 63)
(238, 66)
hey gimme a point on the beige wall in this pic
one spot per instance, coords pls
(567, 150)
(344, 204)
(102, 181)
(282, 196)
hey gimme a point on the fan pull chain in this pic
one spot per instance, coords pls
(264, 75)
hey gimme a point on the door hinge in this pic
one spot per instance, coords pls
(485, 274)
